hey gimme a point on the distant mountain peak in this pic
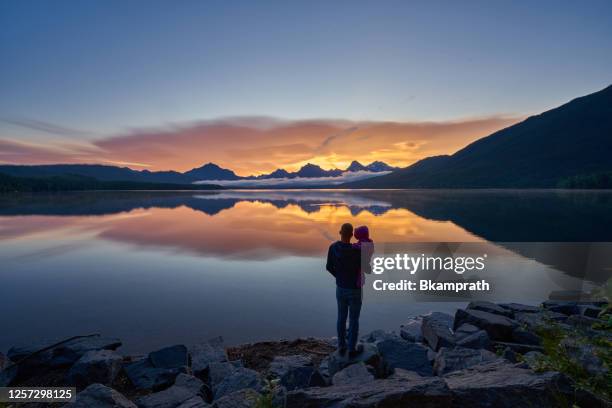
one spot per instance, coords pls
(211, 171)
(356, 166)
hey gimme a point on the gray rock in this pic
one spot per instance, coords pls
(454, 359)
(503, 385)
(98, 366)
(520, 308)
(510, 355)
(566, 308)
(240, 379)
(582, 322)
(202, 354)
(370, 356)
(246, 398)
(293, 371)
(63, 355)
(217, 371)
(399, 353)
(465, 330)
(583, 354)
(520, 335)
(185, 388)
(145, 376)
(170, 357)
(427, 392)
(437, 330)
(532, 359)
(589, 310)
(477, 340)
(516, 347)
(431, 356)
(536, 320)
(377, 335)
(497, 327)
(490, 308)
(8, 375)
(354, 374)
(194, 402)
(411, 330)
(100, 396)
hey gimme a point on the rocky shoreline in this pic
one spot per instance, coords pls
(487, 355)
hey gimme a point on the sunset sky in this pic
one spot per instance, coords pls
(254, 86)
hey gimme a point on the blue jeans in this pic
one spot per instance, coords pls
(349, 305)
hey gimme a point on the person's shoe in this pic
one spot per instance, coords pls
(358, 350)
(342, 351)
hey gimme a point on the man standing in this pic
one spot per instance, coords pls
(343, 261)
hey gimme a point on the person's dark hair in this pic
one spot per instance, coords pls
(346, 230)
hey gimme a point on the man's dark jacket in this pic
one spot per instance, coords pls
(343, 261)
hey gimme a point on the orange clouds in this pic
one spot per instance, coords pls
(258, 145)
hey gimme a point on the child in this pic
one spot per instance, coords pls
(366, 246)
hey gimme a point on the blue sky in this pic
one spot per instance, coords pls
(96, 68)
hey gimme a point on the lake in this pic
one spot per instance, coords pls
(160, 268)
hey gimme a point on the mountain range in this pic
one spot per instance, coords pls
(209, 171)
(543, 151)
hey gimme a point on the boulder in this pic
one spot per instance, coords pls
(377, 335)
(204, 353)
(539, 319)
(426, 392)
(477, 340)
(520, 335)
(411, 330)
(585, 355)
(217, 371)
(293, 371)
(354, 374)
(510, 355)
(370, 356)
(465, 330)
(497, 327)
(170, 357)
(97, 366)
(241, 378)
(246, 398)
(516, 347)
(582, 322)
(399, 353)
(490, 308)
(8, 375)
(532, 359)
(194, 402)
(566, 308)
(145, 376)
(503, 385)
(64, 354)
(437, 330)
(454, 359)
(520, 308)
(185, 388)
(100, 396)
(589, 310)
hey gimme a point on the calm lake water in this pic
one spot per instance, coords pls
(159, 268)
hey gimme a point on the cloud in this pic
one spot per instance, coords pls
(46, 127)
(256, 145)
(298, 181)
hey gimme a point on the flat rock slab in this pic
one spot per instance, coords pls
(503, 385)
(65, 354)
(246, 398)
(97, 366)
(195, 402)
(430, 392)
(240, 379)
(412, 330)
(293, 371)
(354, 374)
(436, 330)
(490, 308)
(477, 340)
(204, 353)
(170, 357)
(399, 353)
(455, 359)
(145, 376)
(185, 388)
(520, 308)
(370, 356)
(497, 327)
(100, 396)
